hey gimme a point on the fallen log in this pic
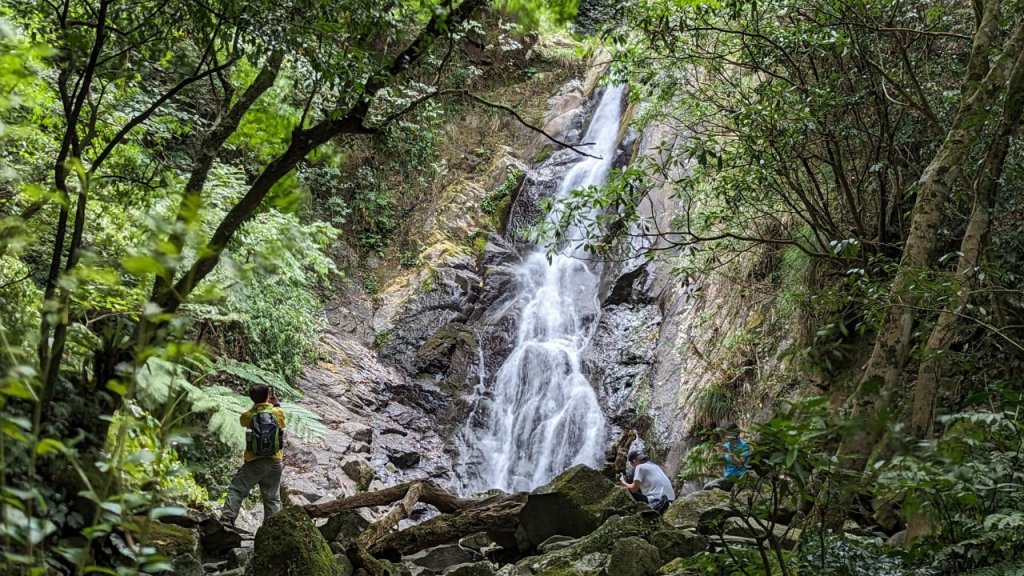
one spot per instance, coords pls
(496, 517)
(460, 517)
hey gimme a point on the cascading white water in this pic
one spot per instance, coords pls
(543, 415)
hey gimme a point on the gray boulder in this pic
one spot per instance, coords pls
(700, 510)
(440, 558)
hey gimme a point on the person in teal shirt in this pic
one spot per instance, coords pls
(736, 453)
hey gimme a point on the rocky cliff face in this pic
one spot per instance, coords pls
(402, 368)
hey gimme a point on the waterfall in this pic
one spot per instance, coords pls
(543, 415)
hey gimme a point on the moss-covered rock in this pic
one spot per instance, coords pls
(633, 556)
(573, 504)
(673, 544)
(360, 471)
(700, 509)
(433, 356)
(180, 545)
(642, 525)
(288, 544)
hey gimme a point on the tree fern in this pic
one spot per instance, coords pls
(160, 380)
(255, 375)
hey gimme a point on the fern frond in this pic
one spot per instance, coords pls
(303, 423)
(159, 380)
(255, 375)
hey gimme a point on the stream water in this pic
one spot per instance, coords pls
(542, 415)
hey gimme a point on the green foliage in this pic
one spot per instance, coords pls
(152, 460)
(968, 482)
(496, 203)
(162, 381)
(711, 406)
(836, 556)
(381, 339)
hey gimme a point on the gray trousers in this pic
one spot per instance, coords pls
(266, 472)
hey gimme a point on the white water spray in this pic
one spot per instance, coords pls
(543, 415)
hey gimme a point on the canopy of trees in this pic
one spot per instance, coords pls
(168, 179)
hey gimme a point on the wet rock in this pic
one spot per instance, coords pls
(359, 471)
(620, 357)
(440, 558)
(435, 354)
(358, 431)
(404, 459)
(288, 543)
(633, 556)
(573, 504)
(474, 569)
(417, 315)
(699, 510)
(344, 527)
(631, 285)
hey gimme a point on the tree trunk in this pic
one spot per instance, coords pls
(971, 247)
(881, 377)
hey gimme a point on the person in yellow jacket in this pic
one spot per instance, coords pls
(264, 457)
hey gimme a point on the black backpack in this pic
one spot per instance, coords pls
(265, 435)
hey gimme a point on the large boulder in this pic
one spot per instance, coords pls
(700, 510)
(633, 556)
(673, 544)
(289, 543)
(642, 525)
(573, 504)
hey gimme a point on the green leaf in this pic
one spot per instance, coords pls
(50, 446)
